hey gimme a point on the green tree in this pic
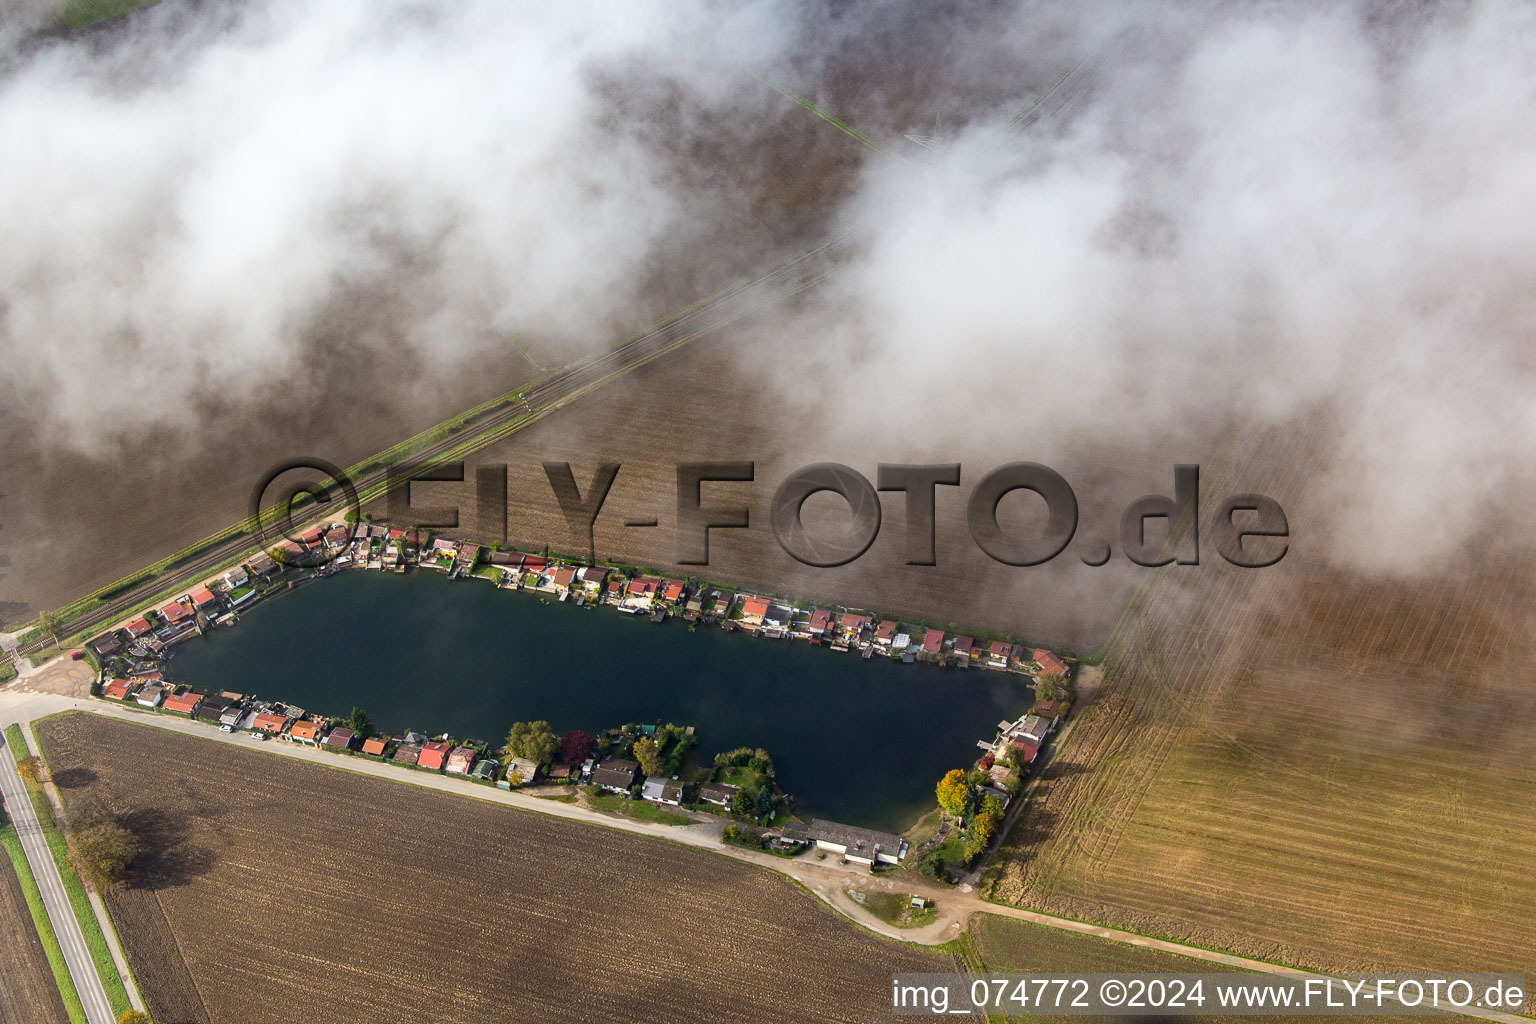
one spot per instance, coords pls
(50, 623)
(100, 848)
(649, 756)
(1052, 686)
(359, 722)
(765, 801)
(954, 793)
(535, 741)
(743, 804)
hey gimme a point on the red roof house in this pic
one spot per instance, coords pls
(821, 620)
(1049, 663)
(138, 627)
(885, 631)
(375, 744)
(1027, 751)
(754, 608)
(933, 641)
(312, 535)
(641, 587)
(342, 738)
(851, 622)
(270, 721)
(305, 731)
(963, 645)
(672, 591)
(117, 689)
(202, 597)
(173, 611)
(186, 703)
(433, 755)
(460, 760)
(563, 576)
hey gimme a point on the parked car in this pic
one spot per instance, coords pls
(259, 736)
(77, 656)
(226, 728)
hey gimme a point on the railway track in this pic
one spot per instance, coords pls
(514, 414)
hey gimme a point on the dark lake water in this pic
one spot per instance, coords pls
(859, 741)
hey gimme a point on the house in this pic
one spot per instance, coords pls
(776, 617)
(341, 738)
(821, 621)
(184, 703)
(851, 626)
(558, 772)
(525, 770)
(262, 565)
(592, 579)
(616, 775)
(671, 591)
(1027, 751)
(723, 601)
(485, 769)
(998, 654)
(460, 761)
(106, 645)
(408, 753)
(306, 731)
(717, 793)
(337, 537)
(312, 536)
(232, 714)
(753, 609)
(1000, 775)
(1049, 663)
(236, 577)
(933, 641)
(864, 845)
(675, 792)
(507, 559)
(136, 628)
(652, 788)
(885, 632)
(270, 721)
(1052, 709)
(1033, 729)
(203, 600)
(211, 707)
(375, 745)
(964, 647)
(434, 755)
(902, 642)
(117, 689)
(562, 578)
(173, 611)
(640, 592)
(150, 695)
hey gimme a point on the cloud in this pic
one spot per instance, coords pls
(1245, 215)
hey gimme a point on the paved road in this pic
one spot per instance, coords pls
(81, 968)
(829, 880)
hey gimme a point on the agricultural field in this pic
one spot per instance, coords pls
(1303, 766)
(29, 994)
(269, 890)
(721, 415)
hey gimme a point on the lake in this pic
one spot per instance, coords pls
(859, 741)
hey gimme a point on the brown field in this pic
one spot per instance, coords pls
(1001, 945)
(704, 407)
(270, 890)
(1303, 766)
(29, 995)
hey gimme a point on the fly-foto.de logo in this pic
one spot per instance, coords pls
(1247, 530)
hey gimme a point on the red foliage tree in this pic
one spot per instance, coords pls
(575, 746)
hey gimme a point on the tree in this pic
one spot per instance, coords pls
(133, 1017)
(50, 623)
(535, 741)
(764, 801)
(279, 555)
(649, 756)
(954, 793)
(359, 722)
(100, 848)
(1052, 687)
(743, 804)
(30, 768)
(575, 746)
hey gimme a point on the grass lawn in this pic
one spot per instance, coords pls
(642, 809)
(7, 672)
(79, 901)
(82, 13)
(896, 908)
(45, 935)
